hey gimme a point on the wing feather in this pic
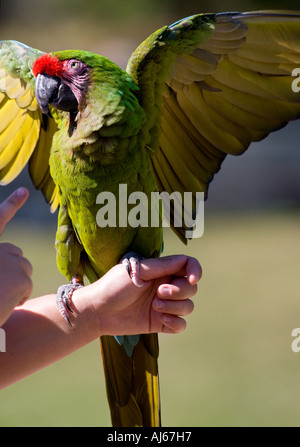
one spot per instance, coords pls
(23, 135)
(224, 81)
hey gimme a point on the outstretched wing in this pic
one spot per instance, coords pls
(25, 135)
(212, 84)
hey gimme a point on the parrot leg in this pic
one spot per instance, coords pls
(131, 262)
(64, 298)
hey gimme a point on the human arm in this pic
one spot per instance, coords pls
(37, 335)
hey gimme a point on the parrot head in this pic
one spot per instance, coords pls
(61, 83)
(94, 91)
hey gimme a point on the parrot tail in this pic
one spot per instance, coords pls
(132, 384)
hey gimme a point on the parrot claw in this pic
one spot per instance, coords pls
(131, 262)
(64, 298)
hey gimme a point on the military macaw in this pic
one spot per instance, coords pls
(193, 92)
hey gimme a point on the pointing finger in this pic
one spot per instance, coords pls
(11, 205)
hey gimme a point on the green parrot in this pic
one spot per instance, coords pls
(192, 92)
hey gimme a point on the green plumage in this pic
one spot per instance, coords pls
(103, 151)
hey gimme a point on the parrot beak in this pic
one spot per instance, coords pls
(51, 90)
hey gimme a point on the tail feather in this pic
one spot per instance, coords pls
(132, 383)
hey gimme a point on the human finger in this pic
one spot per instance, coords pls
(172, 324)
(178, 308)
(191, 269)
(27, 267)
(179, 265)
(178, 289)
(11, 249)
(26, 292)
(11, 205)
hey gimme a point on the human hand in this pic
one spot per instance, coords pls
(123, 308)
(15, 270)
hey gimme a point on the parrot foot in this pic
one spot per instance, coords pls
(131, 262)
(64, 298)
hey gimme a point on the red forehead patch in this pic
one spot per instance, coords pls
(47, 64)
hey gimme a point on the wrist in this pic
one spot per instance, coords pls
(85, 313)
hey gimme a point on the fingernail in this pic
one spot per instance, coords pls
(165, 291)
(21, 192)
(194, 279)
(159, 304)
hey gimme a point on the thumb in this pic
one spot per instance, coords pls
(10, 206)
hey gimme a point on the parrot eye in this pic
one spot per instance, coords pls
(74, 66)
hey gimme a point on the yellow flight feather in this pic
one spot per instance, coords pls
(23, 150)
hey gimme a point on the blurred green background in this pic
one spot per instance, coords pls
(233, 366)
